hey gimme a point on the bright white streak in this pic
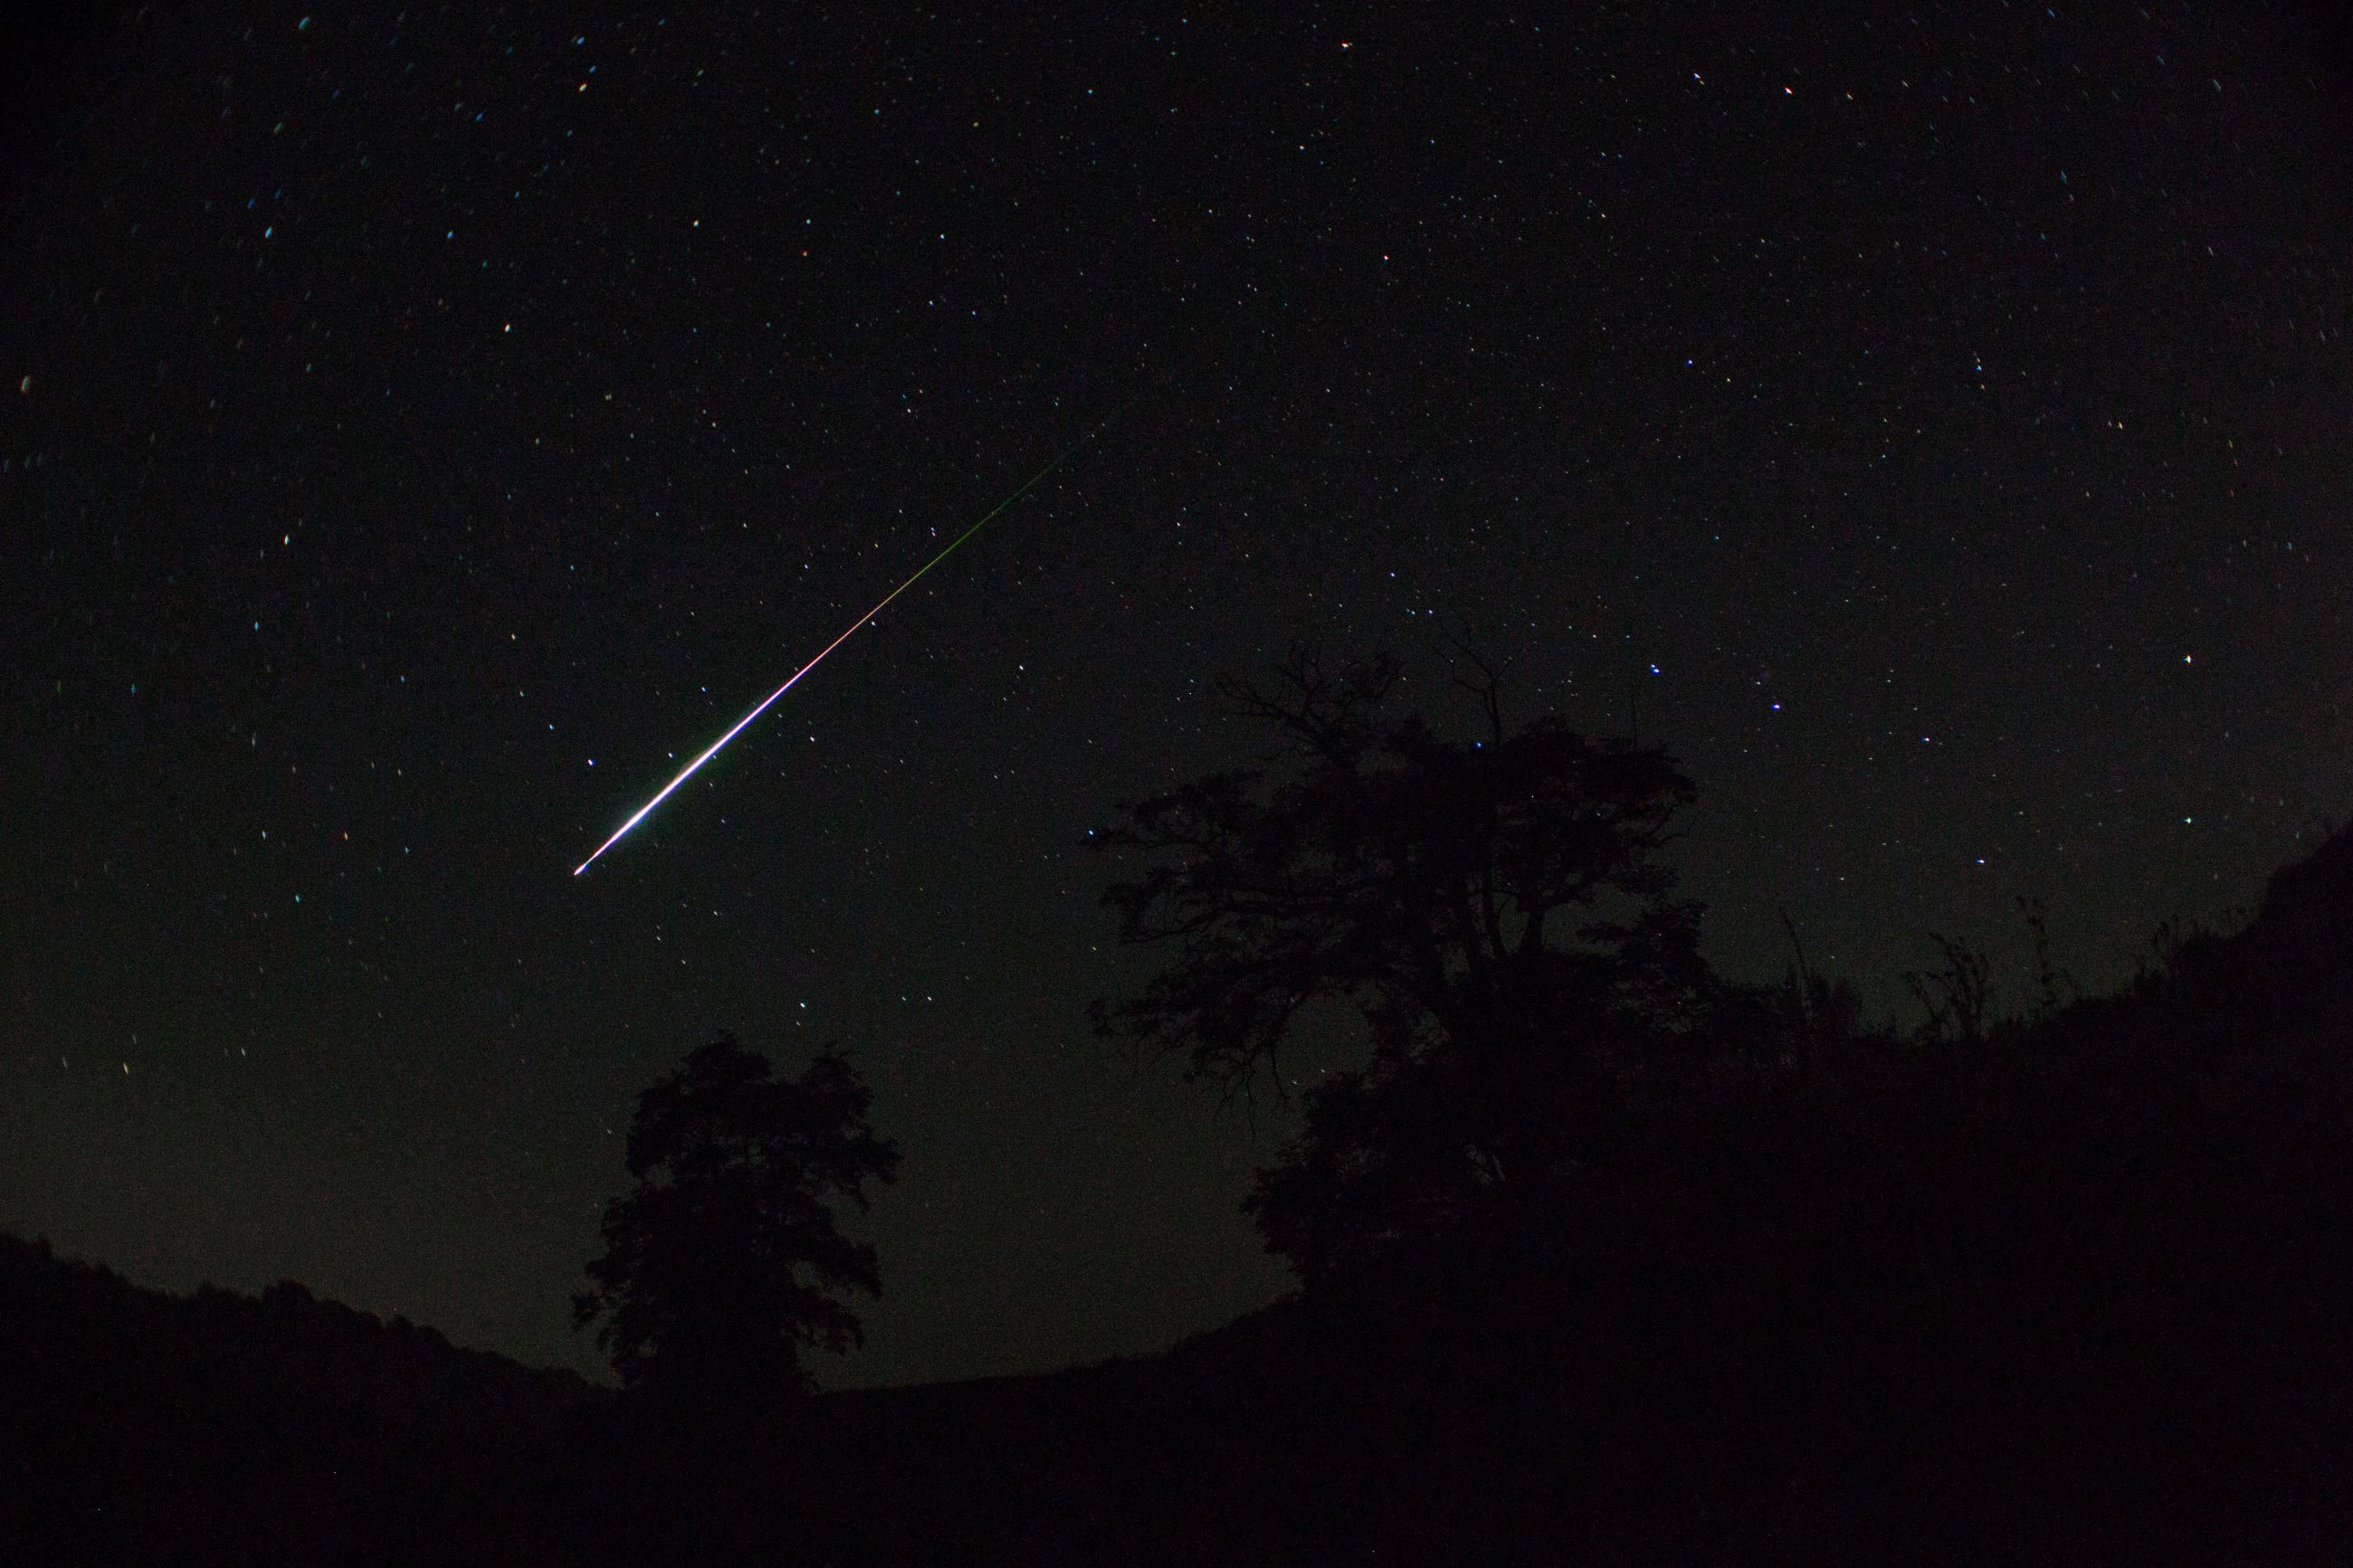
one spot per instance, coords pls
(688, 771)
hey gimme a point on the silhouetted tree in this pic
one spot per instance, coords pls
(1433, 886)
(725, 1261)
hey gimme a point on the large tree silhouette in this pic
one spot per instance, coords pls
(1496, 909)
(724, 1262)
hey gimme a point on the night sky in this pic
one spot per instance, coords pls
(423, 431)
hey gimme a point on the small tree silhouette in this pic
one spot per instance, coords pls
(1817, 1009)
(723, 1262)
(1957, 998)
(2049, 978)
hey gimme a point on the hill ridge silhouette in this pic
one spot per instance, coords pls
(2072, 1293)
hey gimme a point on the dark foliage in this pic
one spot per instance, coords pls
(725, 1261)
(1495, 910)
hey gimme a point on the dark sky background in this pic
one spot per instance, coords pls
(421, 428)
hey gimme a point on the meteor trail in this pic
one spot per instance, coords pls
(688, 771)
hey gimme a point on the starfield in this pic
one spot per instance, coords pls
(1274, 786)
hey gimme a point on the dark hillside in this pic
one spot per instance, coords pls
(2076, 1291)
(139, 1427)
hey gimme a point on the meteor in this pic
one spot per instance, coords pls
(768, 702)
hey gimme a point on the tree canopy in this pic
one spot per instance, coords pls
(1496, 910)
(724, 1262)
